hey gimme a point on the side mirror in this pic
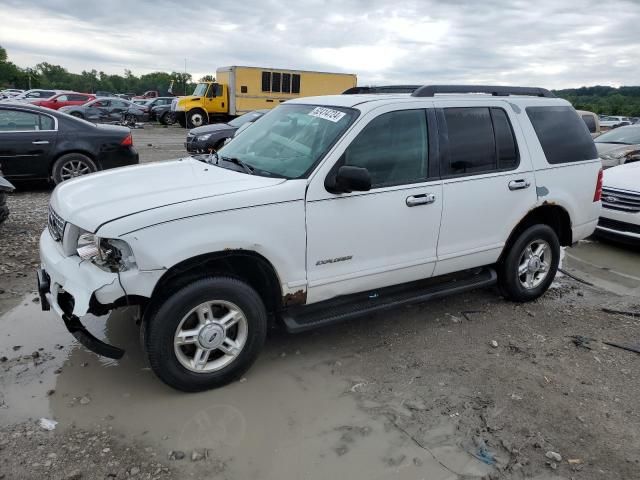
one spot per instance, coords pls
(349, 179)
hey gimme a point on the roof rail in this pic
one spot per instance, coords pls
(381, 89)
(496, 91)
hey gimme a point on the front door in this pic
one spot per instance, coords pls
(25, 141)
(362, 241)
(215, 102)
(488, 182)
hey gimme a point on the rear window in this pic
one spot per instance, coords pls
(563, 135)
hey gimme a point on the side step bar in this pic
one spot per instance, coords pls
(352, 306)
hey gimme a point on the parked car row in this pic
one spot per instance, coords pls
(40, 143)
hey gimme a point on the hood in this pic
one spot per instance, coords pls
(216, 127)
(624, 177)
(91, 201)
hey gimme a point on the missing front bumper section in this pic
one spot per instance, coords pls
(85, 337)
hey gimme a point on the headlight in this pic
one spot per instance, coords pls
(202, 138)
(111, 255)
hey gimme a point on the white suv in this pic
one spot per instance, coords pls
(325, 209)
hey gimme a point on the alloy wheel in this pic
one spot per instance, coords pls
(210, 336)
(534, 264)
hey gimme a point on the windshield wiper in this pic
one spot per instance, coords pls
(246, 167)
(616, 143)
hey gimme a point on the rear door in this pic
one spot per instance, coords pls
(98, 111)
(117, 109)
(77, 99)
(26, 139)
(488, 181)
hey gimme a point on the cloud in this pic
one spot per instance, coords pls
(546, 43)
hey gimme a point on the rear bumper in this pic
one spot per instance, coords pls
(121, 158)
(580, 232)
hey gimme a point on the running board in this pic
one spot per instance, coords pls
(338, 310)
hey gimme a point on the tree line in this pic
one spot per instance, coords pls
(46, 75)
(598, 99)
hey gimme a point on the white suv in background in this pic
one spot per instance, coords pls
(326, 209)
(620, 216)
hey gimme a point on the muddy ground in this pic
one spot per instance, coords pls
(418, 393)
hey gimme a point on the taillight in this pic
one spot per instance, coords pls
(128, 141)
(598, 194)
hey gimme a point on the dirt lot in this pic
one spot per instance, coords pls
(417, 393)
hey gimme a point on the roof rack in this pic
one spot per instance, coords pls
(381, 89)
(496, 91)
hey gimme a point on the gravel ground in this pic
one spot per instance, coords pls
(506, 383)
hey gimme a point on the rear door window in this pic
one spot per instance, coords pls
(472, 147)
(563, 135)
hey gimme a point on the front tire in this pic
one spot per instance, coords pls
(206, 334)
(72, 165)
(197, 118)
(77, 114)
(530, 264)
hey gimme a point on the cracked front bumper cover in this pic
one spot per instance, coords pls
(73, 324)
(85, 337)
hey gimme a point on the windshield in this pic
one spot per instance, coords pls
(247, 117)
(290, 139)
(200, 90)
(628, 135)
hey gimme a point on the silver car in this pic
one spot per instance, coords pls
(619, 146)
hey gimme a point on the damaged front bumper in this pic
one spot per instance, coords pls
(73, 287)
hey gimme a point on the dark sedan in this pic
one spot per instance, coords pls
(109, 110)
(211, 137)
(163, 114)
(38, 143)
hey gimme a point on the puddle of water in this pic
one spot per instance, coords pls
(610, 266)
(291, 418)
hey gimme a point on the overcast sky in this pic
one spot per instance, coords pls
(548, 43)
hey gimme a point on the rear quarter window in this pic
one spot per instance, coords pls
(563, 135)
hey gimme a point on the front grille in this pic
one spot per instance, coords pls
(621, 200)
(56, 225)
(618, 226)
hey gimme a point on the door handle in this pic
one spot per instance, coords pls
(519, 184)
(421, 199)
(41, 142)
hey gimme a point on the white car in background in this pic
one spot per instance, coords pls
(614, 121)
(620, 215)
(36, 94)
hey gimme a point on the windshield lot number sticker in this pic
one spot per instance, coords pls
(327, 114)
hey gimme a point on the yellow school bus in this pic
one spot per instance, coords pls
(238, 90)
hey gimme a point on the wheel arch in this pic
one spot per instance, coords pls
(549, 214)
(245, 265)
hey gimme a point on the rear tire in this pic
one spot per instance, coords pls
(72, 165)
(190, 346)
(530, 264)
